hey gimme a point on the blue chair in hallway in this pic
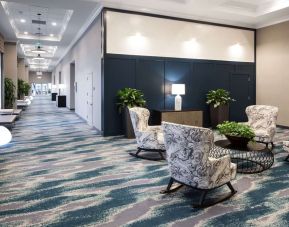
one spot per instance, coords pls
(187, 149)
(149, 138)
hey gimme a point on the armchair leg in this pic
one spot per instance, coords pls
(160, 152)
(169, 188)
(138, 151)
(161, 155)
(231, 187)
(202, 198)
(203, 204)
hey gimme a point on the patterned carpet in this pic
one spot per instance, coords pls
(58, 172)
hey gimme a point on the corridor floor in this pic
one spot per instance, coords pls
(58, 172)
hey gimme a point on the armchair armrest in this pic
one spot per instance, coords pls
(220, 170)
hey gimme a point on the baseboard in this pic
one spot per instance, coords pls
(93, 127)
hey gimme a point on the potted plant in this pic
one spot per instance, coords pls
(127, 98)
(9, 89)
(219, 106)
(26, 88)
(21, 88)
(237, 133)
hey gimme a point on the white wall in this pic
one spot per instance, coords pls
(87, 57)
(150, 36)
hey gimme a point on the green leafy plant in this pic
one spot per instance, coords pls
(130, 97)
(9, 89)
(218, 97)
(26, 88)
(23, 88)
(20, 88)
(236, 129)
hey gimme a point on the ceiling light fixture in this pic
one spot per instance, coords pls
(51, 35)
(25, 33)
(53, 23)
(39, 58)
(22, 20)
(39, 50)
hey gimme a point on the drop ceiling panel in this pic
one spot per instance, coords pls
(21, 17)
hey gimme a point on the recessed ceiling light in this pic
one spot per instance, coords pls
(54, 23)
(22, 20)
(25, 33)
(51, 35)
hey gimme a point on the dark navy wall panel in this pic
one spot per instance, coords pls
(154, 76)
(203, 73)
(118, 74)
(178, 72)
(150, 80)
(240, 91)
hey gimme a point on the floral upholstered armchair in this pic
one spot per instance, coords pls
(286, 148)
(188, 149)
(262, 119)
(149, 138)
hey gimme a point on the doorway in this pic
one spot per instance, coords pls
(72, 86)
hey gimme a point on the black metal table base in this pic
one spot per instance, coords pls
(254, 158)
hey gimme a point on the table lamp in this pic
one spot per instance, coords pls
(61, 86)
(178, 90)
(5, 137)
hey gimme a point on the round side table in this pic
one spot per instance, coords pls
(254, 158)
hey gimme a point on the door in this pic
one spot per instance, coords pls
(89, 98)
(239, 88)
(72, 86)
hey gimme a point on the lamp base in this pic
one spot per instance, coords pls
(178, 102)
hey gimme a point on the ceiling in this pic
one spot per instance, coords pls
(62, 22)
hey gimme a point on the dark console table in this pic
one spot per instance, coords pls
(254, 158)
(53, 96)
(61, 101)
(186, 117)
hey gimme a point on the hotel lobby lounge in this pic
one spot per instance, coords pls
(144, 113)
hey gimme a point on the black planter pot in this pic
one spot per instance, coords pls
(237, 141)
(127, 125)
(219, 114)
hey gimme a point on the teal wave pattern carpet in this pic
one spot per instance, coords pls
(58, 172)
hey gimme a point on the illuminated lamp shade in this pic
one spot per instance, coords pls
(5, 136)
(178, 89)
(61, 86)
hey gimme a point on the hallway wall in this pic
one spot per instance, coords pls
(272, 68)
(86, 54)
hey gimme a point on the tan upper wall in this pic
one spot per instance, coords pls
(133, 34)
(272, 69)
(21, 72)
(46, 78)
(10, 62)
